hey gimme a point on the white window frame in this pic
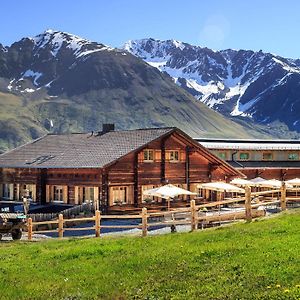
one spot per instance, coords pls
(147, 153)
(173, 156)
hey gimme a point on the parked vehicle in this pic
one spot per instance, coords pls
(12, 222)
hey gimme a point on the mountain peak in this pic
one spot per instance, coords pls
(54, 40)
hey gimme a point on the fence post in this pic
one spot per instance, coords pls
(29, 229)
(60, 225)
(283, 196)
(193, 215)
(144, 221)
(97, 223)
(248, 215)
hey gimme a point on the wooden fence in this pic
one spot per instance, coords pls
(195, 216)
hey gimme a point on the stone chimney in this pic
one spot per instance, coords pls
(107, 127)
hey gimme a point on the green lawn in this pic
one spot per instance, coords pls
(258, 260)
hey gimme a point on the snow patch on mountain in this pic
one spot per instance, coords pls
(32, 74)
(287, 67)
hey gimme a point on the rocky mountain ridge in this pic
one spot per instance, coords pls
(242, 84)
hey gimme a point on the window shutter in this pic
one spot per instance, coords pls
(96, 193)
(65, 194)
(157, 155)
(76, 195)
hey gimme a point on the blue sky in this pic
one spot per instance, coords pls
(269, 25)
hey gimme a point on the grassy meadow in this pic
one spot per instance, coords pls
(258, 260)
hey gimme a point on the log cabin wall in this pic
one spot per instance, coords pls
(44, 180)
(17, 181)
(78, 185)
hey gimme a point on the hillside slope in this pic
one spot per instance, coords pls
(258, 260)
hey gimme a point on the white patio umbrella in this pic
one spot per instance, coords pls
(257, 179)
(241, 182)
(294, 182)
(167, 191)
(220, 186)
(272, 183)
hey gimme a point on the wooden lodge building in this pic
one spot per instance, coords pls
(109, 167)
(270, 159)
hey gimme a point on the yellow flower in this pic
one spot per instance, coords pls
(286, 290)
(278, 285)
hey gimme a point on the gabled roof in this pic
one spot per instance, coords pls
(80, 150)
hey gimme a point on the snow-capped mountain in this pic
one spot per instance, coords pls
(244, 83)
(60, 82)
(44, 59)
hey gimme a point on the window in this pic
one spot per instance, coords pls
(58, 193)
(293, 156)
(28, 191)
(244, 155)
(267, 156)
(119, 194)
(222, 155)
(148, 155)
(174, 155)
(8, 191)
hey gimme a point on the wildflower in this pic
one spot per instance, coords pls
(278, 285)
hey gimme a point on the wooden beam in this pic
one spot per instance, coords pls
(97, 223)
(105, 190)
(41, 186)
(187, 167)
(283, 196)
(248, 215)
(60, 226)
(144, 222)
(163, 161)
(136, 180)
